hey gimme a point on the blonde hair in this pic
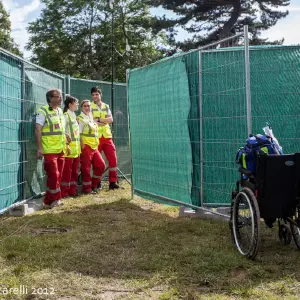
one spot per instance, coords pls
(84, 101)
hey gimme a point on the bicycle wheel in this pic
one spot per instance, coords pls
(246, 223)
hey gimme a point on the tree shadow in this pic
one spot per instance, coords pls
(121, 240)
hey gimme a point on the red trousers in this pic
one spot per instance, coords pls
(69, 177)
(88, 158)
(53, 165)
(109, 149)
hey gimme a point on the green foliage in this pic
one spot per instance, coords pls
(74, 37)
(213, 20)
(6, 41)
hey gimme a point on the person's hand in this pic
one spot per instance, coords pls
(69, 139)
(68, 150)
(39, 154)
(82, 146)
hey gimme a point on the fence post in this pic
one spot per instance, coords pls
(248, 87)
(69, 85)
(129, 144)
(201, 126)
(23, 147)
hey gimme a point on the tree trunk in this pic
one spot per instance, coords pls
(232, 20)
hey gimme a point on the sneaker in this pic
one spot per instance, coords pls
(56, 203)
(113, 186)
(94, 191)
(46, 206)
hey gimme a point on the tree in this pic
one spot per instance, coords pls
(212, 20)
(6, 41)
(74, 37)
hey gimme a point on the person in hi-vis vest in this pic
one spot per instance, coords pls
(51, 144)
(103, 116)
(68, 184)
(90, 156)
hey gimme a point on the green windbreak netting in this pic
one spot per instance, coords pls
(81, 89)
(10, 131)
(192, 67)
(23, 87)
(224, 122)
(165, 120)
(275, 92)
(159, 106)
(36, 83)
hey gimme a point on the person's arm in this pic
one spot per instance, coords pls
(107, 120)
(82, 145)
(67, 129)
(40, 122)
(38, 135)
(81, 127)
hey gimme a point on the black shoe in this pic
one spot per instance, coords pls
(113, 186)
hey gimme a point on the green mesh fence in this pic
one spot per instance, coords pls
(23, 88)
(276, 93)
(10, 144)
(224, 121)
(81, 89)
(165, 120)
(37, 82)
(275, 73)
(159, 105)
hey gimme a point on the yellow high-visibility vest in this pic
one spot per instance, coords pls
(53, 131)
(73, 128)
(101, 113)
(89, 134)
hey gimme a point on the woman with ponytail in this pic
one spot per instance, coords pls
(70, 173)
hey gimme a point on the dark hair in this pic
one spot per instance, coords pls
(69, 100)
(50, 93)
(96, 89)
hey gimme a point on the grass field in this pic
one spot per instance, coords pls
(117, 248)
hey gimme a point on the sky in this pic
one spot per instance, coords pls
(24, 11)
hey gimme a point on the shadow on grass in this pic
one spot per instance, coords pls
(121, 240)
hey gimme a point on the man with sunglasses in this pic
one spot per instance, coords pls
(51, 143)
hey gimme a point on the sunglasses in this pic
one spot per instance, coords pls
(86, 106)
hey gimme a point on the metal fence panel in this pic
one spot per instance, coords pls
(11, 181)
(81, 89)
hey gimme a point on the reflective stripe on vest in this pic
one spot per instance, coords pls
(53, 131)
(75, 143)
(89, 135)
(102, 114)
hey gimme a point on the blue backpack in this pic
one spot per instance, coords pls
(255, 145)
